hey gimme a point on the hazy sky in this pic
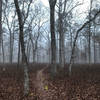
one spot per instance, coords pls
(86, 3)
(80, 11)
(45, 2)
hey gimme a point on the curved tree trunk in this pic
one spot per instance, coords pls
(24, 57)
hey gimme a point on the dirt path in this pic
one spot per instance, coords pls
(40, 84)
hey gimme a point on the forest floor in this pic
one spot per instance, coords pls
(83, 84)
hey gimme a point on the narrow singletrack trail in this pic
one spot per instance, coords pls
(40, 86)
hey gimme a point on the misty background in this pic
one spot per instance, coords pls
(37, 36)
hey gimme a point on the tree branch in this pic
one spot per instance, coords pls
(77, 33)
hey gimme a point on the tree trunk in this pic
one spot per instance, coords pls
(28, 51)
(0, 22)
(0, 25)
(53, 38)
(99, 50)
(61, 36)
(11, 47)
(24, 57)
(89, 45)
(18, 53)
(3, 51)
(94, 45)
(34, 56)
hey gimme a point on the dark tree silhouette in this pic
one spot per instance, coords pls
(52, 4)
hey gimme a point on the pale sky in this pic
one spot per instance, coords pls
(81, 8)
(80, 11)
(45, 2)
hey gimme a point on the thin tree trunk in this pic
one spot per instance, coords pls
(99, 50)
(28, 51)
(60, 31)
(33, 49)
(18, 52)
(94, 46)
(89, 45)
(0, 22)
(34, 56)
(11, 51)
(3, 51)
(0, 25)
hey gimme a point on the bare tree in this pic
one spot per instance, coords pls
(64, 16)
(52, 4)
(11, 27)
(61, 35)
(75, 39)
(21, 38)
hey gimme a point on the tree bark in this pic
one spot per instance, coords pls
(94, 45)
(89, 44)
(18, 52)
(53, 38)
(0, 24)
(24, 57)
(3, 53)
(61, 35)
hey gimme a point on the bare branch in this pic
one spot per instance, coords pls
(27, 12)
(77, 33)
